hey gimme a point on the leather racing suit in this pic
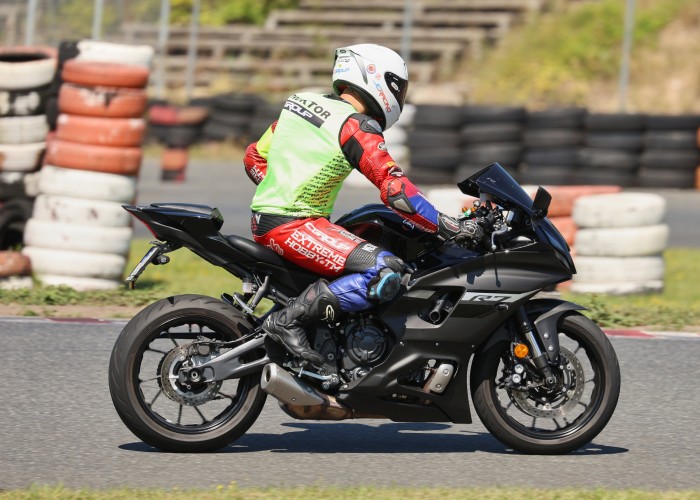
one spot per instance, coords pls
(299, 165)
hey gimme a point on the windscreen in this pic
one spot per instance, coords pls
(497, 182)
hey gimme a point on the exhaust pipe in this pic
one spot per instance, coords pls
(279, 384)
(301, 401)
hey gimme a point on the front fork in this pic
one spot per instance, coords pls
(540, 358)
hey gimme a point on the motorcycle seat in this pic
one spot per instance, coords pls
(259, 252)
(292, 277)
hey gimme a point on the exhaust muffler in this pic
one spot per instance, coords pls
(301, 401)
(279, 384)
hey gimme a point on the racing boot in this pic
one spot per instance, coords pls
(286, 326)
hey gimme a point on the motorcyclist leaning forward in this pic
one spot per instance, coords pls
(299, 165)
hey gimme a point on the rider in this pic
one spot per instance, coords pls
(299, 165)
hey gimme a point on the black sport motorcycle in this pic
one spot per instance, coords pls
(191, 373)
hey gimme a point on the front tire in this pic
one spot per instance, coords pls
(151, 401)
(589, 376)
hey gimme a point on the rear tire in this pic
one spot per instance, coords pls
(157, 419)
(509, 421)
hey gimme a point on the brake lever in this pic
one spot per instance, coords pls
(503, 229)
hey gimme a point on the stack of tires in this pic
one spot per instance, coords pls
(620, 243)
(552, 140)
(79, 235)
(670, 155)
(697, 170)
(613, 145)
(178, 129)
(25, 77)
(25, 74)
(231, 117)
(490, 134)
(435, 143)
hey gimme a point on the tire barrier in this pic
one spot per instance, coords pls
(552, 139)
(78, 234)
(26, 74)
(558, 146)
(173, 163)
(112, 160)
(119, 132)
(105, 102)
(620, 253)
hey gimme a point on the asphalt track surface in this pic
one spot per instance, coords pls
(223, 184)
(58, 426)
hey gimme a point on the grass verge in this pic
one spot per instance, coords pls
(676, 308)
(354, 493)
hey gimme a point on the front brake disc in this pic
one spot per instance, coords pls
(556, 404)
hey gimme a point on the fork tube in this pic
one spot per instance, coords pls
(539, 358)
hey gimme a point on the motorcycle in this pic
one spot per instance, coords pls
(191, 373)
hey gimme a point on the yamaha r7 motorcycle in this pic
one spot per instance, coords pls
(191, 373)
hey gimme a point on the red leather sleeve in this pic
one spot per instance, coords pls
(255, 165)
(365, 149)
(255, 159)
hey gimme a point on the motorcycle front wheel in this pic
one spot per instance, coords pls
(534, 419)
(161, 409)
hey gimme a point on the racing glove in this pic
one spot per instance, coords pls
(460, 231)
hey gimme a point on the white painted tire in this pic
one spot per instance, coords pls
(618, 288)
(78, 264)
(139, 55)
(77, 283)
(394, 136)
(70, 210)
(618, 269)
(619, 210)
(23, 129)
(399, 153)
(94, 239)
(16, 282)
(87, 185)
(622, 241)
(21, 157)
(27, 74)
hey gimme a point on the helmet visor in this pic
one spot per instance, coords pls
(397, 86)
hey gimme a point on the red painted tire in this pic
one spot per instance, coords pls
(567, 227)
(14, 264)
(172, 115)
(103, 74)
(125, 161)
(106, 102)
(101, 131)
(563, 197)
(174, 159)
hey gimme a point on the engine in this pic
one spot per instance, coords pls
(365, 343)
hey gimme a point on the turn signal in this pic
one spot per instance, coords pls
(521, 351)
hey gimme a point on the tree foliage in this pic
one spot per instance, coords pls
(218, 13)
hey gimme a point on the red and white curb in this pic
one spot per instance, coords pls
(641, 334)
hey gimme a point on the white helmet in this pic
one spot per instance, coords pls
(377, 74)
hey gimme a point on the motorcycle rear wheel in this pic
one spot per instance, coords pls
(145, 390)
(571, 416)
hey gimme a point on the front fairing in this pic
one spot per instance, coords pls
(495, 181)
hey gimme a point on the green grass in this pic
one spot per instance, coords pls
(555, 59)
(354, 493)
(678, 306)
